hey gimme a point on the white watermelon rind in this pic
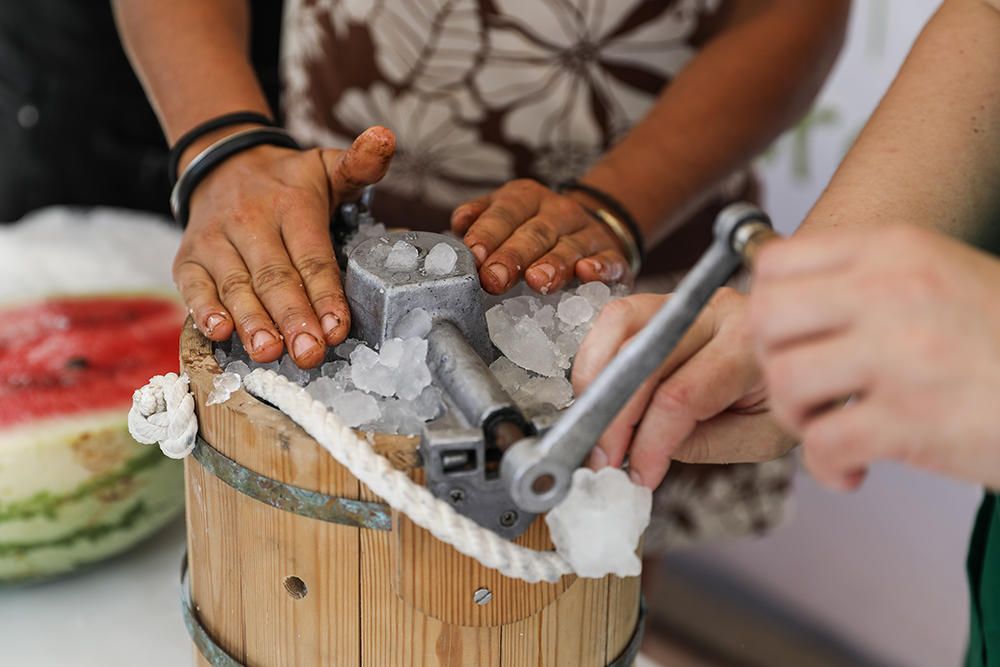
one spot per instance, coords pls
(60, 510)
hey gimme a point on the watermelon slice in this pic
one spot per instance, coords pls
(74, 486)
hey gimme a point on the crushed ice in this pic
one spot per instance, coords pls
(389, 390)
(598, 526)
(441, 260)
(223, 386)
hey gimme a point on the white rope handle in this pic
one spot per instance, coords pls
(398, 490)
(163, 412)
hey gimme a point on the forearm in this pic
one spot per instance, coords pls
(931, 153)
(191, 56)
(741, 91)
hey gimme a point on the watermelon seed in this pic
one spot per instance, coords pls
(77, 363)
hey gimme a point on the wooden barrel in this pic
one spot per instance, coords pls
(271, 585)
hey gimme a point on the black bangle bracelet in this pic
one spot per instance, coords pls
(211, 125)
(216, 154)
(614, 206)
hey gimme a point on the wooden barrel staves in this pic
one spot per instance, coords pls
(294, 562)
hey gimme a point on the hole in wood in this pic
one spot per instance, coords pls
(295, 587)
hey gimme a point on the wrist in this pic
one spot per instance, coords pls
(210, 138)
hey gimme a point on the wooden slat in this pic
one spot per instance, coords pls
(420, 559)
(623, 613)
(395, 634)
(572, 632)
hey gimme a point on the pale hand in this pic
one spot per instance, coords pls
(905, 323)
(256, 255)
(706, 404)
(526, 229)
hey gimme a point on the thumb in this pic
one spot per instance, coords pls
(365, 162)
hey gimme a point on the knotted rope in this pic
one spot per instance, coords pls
(163, 412)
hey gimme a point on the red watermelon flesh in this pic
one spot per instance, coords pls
(64, 356)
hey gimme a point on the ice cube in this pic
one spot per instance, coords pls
(220, 357)
(223, 386)
(402, 257)
(567, 343)
(429, 404)
(441, 260)
(522, 341)
(290, 370)
(355, 408)
(344, 349)
(596, 293)
(239, 367)
(363, 357)
(364, 233)
(521, 306)
(391, 353)
(604, 503)
(324, 390)
(413, 374)
(510, 375)
(545, 317)
(556, 391)
(575, 311)
(379, 253)
(414, 324)
(331, 368)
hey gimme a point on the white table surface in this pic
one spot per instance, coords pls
(122, 613)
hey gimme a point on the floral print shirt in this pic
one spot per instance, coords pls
(480, 92)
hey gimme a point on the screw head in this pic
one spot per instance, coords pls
(457, 496)
(508, 518)
(482, 596)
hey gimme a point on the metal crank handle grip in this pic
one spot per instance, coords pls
(538, 471)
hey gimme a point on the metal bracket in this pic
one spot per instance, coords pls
(217, 656)
(289, 498)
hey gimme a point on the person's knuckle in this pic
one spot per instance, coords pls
(565, 208)
(294, 318)
(273, 277)
(234, 285)
(312, 267)
(573, 247)
(538, 235)
(673, 398)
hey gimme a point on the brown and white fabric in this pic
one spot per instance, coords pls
(479, 92)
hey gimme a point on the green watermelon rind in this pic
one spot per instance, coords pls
(87, 528)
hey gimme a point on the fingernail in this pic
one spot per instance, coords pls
(546, 270)
(613, 272)
(479, 252)
(598, 459)
(597, 266)
(213, 321)
(636, 477)
(500, 274)
(262, 339)
(329, 322)
(303, 344)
